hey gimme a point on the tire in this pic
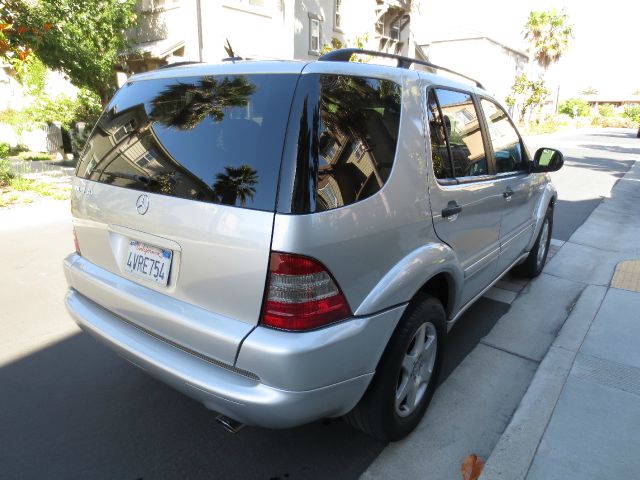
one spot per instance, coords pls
(378, 413)
(534, 263)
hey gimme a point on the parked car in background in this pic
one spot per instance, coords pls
(287, 241)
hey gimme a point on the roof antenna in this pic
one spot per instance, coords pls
(230, 52)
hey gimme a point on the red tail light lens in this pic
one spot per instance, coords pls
(301, 294)
(75, 241)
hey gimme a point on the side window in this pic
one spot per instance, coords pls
(507, 146)
(442, 167)
(463, 132)
(357, 138)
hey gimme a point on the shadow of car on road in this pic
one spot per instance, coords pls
(77, 409)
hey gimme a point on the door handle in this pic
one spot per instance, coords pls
(508, 194)
(451, 211)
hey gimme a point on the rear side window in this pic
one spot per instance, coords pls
(341, 142)
(358, 133)
(214, 139)
(505, 140)
(463, 135)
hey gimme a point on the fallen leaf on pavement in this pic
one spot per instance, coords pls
(472, 467)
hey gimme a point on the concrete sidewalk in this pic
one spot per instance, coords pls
(580, 417)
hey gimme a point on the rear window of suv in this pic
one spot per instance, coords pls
(214, 139)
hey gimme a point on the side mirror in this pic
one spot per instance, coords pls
(547, 160)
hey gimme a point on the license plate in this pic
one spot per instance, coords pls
(149, 262)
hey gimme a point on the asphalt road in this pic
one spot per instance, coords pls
(594, 161)
(71, 408)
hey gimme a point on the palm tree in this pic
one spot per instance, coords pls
(186, 105)
(549, 34)
(236, 182)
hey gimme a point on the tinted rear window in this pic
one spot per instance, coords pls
(213, 139)
(342, 141)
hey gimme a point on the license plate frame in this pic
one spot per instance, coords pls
(149, 262)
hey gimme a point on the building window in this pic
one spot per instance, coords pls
(395, 30)
(314, 39)
(338, 15)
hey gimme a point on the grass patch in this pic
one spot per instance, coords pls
(20, 190)
(541, 128)
(33, 156)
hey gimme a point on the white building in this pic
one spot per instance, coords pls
(492, 63)
(198, 30)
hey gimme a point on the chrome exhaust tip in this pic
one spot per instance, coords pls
(229, 424)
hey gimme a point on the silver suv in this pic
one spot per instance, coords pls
(287, 241)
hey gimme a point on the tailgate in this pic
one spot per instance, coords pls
(175, 193)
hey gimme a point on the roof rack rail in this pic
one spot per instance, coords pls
(344, 54)
(177, 64)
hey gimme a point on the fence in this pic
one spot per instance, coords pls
(45, 139)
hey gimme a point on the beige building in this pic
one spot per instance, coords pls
(198, 30)
(492, 63)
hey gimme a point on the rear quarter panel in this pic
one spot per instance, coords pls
(382, 249)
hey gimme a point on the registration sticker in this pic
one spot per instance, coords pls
(149, 262)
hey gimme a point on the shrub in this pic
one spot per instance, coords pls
(613, 122)
(5, 165)
(606, 110)
(632, 112)
(584, 110)
(44, 110)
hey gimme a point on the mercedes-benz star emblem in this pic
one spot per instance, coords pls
(142, 205)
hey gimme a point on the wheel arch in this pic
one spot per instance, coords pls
(433, 268)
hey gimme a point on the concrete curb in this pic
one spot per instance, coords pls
(514, 452)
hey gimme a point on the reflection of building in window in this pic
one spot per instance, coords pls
(122, 131)
(465, 139)
(347, 167)
(359, 120)
(330, 193)
(131, 155)
(148, 161)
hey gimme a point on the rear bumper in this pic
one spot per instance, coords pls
(280, 379)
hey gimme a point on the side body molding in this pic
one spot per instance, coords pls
(402, 282)
(549, 195)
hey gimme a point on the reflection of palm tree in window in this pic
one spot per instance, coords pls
(343, 99)
(237, 182)
(186, 105)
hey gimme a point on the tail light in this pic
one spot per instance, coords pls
(301, 294)
(75, 241)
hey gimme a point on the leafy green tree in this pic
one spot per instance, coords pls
(548, 33)
(17, 38)
(85, 39)
(583, 107)
(527, 94)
